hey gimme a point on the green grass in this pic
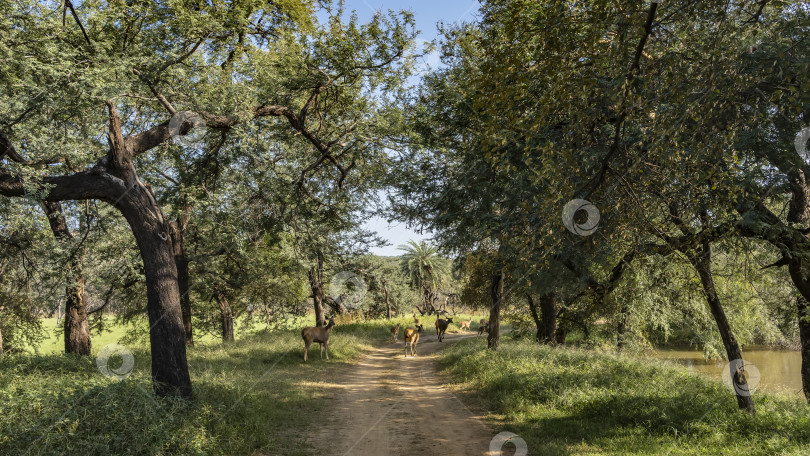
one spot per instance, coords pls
(571, 401)
(114, 333)
(253, 396)
(55, 342)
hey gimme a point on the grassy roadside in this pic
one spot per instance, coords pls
(570, 401)
(253, 396)
(114, 332)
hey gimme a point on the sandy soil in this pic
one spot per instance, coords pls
(392, 405)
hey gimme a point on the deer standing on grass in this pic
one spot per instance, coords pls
(465, 325)
(395, 331)
(441, 327)
(317, 334)
(416, 320)
(411, 339)
(484, 328)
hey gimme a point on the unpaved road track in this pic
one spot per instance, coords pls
(390, 405)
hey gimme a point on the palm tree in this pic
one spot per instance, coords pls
(424, 269)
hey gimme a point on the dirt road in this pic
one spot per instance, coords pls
(390, 405)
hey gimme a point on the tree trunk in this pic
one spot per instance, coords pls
(76, 328)
(113, 179)
(548, 308)
(621, 327)
(799, 213)
(496, 293)
(804, 337)
(336, 304)
(561, 334)
(429, 297)
(538, 323)
(315, 275)
(178, 232)
(59, 313)
(803, 285)
(225, 315)
(387, 301)
(167, 337)
(702, 263)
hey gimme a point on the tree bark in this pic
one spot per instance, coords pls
(225, 315)
(76, 327)
(336, 304)
(315, 275)
(113, 179)
(621, 327)
(496, 293)
(548, 307)
(387, 300)
(178, 233)
(538, 323)
(561, 334)
(167, 337)
(803, 285)
(59, 313)
(702, 262)
(759, 222)
(804, 337)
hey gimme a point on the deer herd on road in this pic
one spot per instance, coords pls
(320, 334)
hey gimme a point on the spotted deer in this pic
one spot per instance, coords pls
(411, 339)
(317, 334)
(441, 327)
(484, 326)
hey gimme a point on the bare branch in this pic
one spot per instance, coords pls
(68, 4)
(155, 92)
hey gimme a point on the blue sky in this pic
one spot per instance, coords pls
(427, 13)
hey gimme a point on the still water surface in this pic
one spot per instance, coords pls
(780, 370)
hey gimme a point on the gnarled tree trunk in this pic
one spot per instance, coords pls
(178, 233)
(387, 300)
(538, 323)
(315, 275)
(621, 326)
(76, 327)
(548, 307)
(804, 337)
(114, 179)
(496, 294)
(803, 285)
(702, 263)
(167, 336)
(225, 315)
